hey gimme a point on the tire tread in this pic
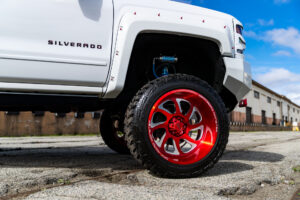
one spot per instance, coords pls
(134, 142)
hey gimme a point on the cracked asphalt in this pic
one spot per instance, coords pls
(254, 166)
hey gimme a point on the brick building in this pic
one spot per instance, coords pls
(266, 107)
(46, 123)
(266, 110)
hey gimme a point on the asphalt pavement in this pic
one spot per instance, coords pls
(254, 166)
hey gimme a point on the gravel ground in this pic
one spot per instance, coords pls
(255, 166)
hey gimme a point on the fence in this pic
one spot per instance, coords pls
(46, 123)
(239, 126)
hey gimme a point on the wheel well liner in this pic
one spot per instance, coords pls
(196, 56)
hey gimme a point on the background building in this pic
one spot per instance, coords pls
(266, 107)
(46, 123)
(266, 110)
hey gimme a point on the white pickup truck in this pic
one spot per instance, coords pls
(165, 73)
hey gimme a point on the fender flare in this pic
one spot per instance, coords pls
(147, 20)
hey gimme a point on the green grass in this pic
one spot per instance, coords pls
(63, 182)
(292, 182)
(297, 168)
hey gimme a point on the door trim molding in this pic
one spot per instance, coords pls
(54, 60)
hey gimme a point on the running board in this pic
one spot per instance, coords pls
(11, 101)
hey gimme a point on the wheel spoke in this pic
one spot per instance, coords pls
(177, 106)
(176, 127)
(160, 125)
(177, 147)
(190, 140)
(194, 111)
(154, 125)
(196, 127)
(179, 100)
(189, 113)
(165, 112)
(162, 141)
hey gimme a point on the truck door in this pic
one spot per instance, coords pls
(59, 42)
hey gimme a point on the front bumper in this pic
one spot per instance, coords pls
(238, 77)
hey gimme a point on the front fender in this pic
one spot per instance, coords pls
(149, 20)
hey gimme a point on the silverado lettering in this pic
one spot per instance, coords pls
(74, 44)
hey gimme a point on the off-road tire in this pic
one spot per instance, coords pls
(109, 132)
(136, 123)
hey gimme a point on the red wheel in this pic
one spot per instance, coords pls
(182, 126)
(177, 126)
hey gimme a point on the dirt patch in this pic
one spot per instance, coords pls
(241, 174)
(95, 173)
(297, 182)
(296, 195)
(247, 190)
(107, 176)
(279, 188)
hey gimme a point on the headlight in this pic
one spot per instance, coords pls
(239, 29)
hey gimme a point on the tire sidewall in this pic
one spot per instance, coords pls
(149, 98)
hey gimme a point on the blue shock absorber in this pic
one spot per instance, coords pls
(168, 59)
(165, 71)
(163, 59)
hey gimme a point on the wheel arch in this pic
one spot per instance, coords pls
(196, 56)
(148, 20)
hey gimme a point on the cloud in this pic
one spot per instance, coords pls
(282, 81)
(289, 37)
(282, 53)
(251, 34)
(278, 75)
(260, 70)
(263, 22)
(281, 1)
(249, 57)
